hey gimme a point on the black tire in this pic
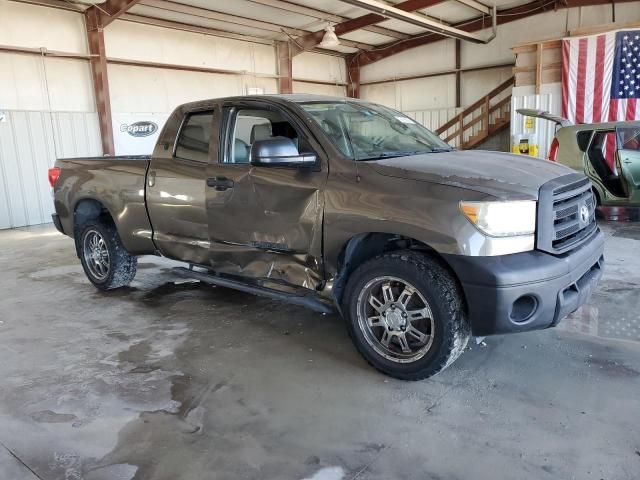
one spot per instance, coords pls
(121, 266)
(448, 324)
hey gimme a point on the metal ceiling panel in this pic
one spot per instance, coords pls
(343, 49)
(402, 27)
(334, 6)
(255, 11)
(382, 8)
(367, 37)
(452, 12)
(204, 22)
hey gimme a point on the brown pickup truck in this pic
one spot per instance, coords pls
(340, 204)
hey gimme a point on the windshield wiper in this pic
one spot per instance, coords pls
(393, 154)
(440, 150)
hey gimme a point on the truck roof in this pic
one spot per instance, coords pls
(279, 98)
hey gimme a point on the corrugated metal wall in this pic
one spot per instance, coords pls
(432, 119)
(30, 141)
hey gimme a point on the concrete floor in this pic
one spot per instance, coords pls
(173, 380)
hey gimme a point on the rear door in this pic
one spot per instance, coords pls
(265, 222)
(176, 185)
(629, 159)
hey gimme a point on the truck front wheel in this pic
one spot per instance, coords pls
(405, 315)
(105, 261)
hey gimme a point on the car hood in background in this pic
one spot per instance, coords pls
(503, 175)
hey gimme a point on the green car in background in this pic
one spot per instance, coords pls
(608, 153)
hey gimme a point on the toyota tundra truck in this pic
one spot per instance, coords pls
(343, 205)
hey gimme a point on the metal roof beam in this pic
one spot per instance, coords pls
(389, 11)
(282, 32)
(326, 16)
(360, 23)
(506, 15)
(104, 13)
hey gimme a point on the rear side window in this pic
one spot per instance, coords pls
(195, 134)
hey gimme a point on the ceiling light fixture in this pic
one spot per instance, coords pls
(330, 39)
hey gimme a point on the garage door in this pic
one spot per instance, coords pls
(29, 145)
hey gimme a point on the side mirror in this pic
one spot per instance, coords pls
(279, 151)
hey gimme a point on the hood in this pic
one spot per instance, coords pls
(502, 175)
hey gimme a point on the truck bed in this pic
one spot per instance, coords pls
(118, 185)
(106, 157)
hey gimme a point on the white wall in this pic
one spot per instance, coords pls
(30, 141)
(477, 84)
(47, 107)
(322, 68)
(155, 44)
(140, 93)
(31, 26)
(432, 58)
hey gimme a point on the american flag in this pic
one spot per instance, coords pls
(601, 77)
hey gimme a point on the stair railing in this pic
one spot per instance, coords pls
(479, 120)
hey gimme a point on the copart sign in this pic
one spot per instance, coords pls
(136, 133)
(140, 129)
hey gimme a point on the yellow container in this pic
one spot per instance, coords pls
(525, 144)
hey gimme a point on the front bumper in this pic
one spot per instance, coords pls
(530, 290)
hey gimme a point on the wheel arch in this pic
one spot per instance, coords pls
(365, 246)
(85, 210)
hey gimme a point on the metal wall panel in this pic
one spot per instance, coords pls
(30, 141)
(433, 119)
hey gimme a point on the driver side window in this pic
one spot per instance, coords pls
(251, 125)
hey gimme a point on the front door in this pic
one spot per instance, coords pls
(176, 187)
(629, 160)
(265, 222)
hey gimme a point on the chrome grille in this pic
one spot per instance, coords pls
(566, 214)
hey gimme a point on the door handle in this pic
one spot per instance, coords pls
(220, 183)
(151, 178)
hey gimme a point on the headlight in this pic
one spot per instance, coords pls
(502, 219)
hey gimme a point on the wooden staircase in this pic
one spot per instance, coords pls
(481, 120)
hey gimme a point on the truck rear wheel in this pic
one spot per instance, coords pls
(405, 315)
(105, 261)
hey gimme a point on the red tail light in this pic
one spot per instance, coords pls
(553, 151)
(54, 173)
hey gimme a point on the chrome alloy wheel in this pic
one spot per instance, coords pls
(96, 255)
(396, 319)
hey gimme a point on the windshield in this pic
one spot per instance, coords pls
(369, 132)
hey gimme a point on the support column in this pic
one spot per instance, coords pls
(95, 38)
(353, 80)
(458, 74)
(285, 67)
